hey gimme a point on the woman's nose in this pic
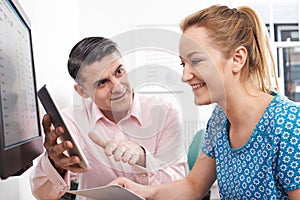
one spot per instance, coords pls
(187, 74)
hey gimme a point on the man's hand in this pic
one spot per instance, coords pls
(56, 150)
(125, 151)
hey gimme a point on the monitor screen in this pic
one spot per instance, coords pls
(20, 137)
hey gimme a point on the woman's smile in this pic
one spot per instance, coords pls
(198, 85)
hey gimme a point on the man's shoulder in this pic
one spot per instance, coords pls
(81, 109)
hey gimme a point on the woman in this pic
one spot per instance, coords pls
(253, 150)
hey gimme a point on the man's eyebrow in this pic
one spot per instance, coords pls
(120, 66)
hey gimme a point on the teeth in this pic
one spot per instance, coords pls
(198, 85)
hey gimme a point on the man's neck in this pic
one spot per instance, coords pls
(115, 116)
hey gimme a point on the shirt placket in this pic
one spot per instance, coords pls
(119, 135)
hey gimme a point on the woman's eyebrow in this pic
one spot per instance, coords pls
(194, 53)
(191, 54)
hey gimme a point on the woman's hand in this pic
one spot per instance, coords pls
(141, 190)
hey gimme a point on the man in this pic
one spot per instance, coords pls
(121, 132)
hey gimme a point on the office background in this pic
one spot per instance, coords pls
(58, 24)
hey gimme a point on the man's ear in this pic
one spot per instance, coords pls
(239, 59)
(80, 90)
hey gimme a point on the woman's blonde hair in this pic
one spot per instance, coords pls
(231, 28)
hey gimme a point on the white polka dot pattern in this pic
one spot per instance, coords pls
(268, 165)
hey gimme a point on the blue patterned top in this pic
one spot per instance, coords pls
(268, 165)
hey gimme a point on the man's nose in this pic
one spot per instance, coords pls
(116, 85)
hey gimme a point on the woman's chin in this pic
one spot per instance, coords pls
(202, 101)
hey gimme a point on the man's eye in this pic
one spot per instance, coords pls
(120, 72)
(101, 83)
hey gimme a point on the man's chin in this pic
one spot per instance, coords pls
(120, 107)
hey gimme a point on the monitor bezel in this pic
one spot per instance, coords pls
(16, 159)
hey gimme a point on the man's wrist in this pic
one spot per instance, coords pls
(142, 158)
(60, 170)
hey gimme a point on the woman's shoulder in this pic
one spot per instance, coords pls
(281, 105)
(217, 120)
(285, 114)
(218, 114)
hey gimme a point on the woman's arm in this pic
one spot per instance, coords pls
(294, 194)
(194, 186)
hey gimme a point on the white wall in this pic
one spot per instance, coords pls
(54, 31)
(58, 24)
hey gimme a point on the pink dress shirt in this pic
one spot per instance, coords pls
(152, 122)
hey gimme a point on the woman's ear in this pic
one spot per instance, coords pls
(81, 91)
(239, 59)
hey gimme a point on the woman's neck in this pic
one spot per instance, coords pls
(243, 113)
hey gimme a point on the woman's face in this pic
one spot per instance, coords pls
(204, 66)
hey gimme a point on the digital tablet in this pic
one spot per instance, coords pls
(108, 192)
(51, 108)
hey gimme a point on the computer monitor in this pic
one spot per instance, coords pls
(20, 135)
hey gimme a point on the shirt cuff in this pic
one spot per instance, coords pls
(144, 174)
(60, 183)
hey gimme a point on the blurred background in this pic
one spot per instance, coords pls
(57, 25)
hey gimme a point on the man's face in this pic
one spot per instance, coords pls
(106, 83)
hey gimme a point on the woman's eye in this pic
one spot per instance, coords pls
(182, 64)
(195, 61)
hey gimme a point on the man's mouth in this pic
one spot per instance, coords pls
(118, 96)
(198, 85)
